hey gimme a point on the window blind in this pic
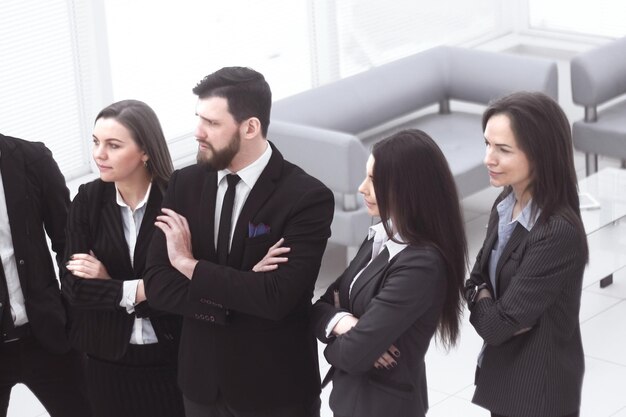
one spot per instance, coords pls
(369, 33)
(39, 81)
(159, 51)
(600, 17)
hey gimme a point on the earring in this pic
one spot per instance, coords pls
(145, 164)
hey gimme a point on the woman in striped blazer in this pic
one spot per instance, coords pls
(525, 288)
(131, 349)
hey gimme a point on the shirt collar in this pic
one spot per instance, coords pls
(525, 218)
(120, 201)
(250, 174)
(377, 232)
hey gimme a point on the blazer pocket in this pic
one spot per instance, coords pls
(255, 248)
(257, 240)
(396, 388)
(384, 397)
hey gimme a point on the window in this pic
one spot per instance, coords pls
(63, 60)
(600, 17)
(40, 81)
(367, 33)
(160, 50)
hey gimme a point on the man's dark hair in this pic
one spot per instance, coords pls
(246, 91)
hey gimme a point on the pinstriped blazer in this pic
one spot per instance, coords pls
(37, 201)
(538, 373)
(99, 326)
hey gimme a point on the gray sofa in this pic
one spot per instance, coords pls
(328, 130)
(598, 77)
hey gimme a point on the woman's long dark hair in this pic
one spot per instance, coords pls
(415, 188)
(543, 133)
(145, 128)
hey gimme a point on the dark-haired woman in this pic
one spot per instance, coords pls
(131, 349)
(524, 291)
(404, 283)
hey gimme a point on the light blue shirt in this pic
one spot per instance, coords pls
(505, 228)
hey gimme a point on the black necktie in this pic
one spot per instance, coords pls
(223, 236)
(6, 320)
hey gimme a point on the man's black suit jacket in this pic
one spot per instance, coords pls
(265, 356)
(100, 327)
(37, 197)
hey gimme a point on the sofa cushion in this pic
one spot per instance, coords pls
(460, 137)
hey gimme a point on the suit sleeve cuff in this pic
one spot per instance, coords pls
(333, 322)
(129, 294)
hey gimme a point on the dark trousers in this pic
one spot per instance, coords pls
(576, 414)
(221, 409)
(140, 384)
(56, 380)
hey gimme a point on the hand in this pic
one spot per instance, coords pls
(344, 324)
(140, 295)
(484, 293)
(87, 266)
(387, 360)
(178, 238)
(271, 260)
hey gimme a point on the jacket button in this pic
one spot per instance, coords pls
(21, 262)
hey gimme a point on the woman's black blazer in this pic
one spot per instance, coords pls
(539, 280)
(397, 302)
(99, 326)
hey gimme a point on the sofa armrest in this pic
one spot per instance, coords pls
(481, 76)
(598, 75)
(335, 158)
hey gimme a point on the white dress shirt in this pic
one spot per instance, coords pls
(249, 176)
(7, 253)
(143, 332)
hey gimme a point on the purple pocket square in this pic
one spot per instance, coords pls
(258, 229)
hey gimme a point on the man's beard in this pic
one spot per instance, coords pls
(221, 159)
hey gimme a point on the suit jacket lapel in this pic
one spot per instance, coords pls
(111, 223)
(371, 272)
(490, 241)
(262, 190)
(360, 260)
(14, 180)
(517, 237)
(153, 207)
(204, 243)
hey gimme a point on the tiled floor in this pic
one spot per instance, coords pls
(450, 375)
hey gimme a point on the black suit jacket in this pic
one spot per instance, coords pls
(37, 197)
(100, 327)
(539, 276)
(265, 356)
(397, 302)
